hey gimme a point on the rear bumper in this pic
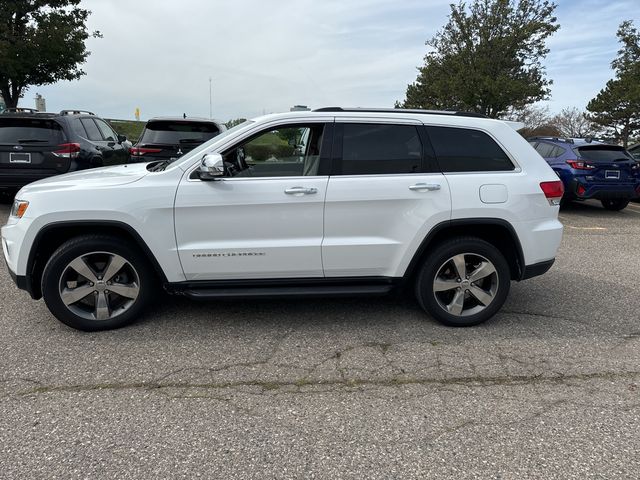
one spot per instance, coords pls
(19, 181)
(604, 191)
(537, 269)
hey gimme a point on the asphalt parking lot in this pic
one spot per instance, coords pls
(363, 388)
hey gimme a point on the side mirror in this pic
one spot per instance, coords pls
(122, 138)
(211, 167)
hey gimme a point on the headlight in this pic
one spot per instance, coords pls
(19, 208)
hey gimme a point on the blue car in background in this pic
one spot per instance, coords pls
(592, 169)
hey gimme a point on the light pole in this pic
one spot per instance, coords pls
(210, 100)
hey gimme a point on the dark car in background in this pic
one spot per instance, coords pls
(167, 138)
(635, 151)
(591, 169)
(36, 145)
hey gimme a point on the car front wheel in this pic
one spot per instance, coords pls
(463, 282)
(97, 282)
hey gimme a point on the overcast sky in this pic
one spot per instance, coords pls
(267, 55)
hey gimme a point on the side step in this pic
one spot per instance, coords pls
(288, 291)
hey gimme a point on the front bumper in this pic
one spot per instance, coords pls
(23, 282)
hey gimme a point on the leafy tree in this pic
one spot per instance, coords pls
(41, 42)
(487, 58)
(573, 123)
(616, 109)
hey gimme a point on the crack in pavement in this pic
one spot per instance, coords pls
(336, 385)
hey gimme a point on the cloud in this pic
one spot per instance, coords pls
(266, 56)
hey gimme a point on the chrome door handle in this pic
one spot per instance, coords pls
(300, 191)
(425, 186)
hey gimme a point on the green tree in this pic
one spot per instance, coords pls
(41, 42)
(616, 109)
(487, 58)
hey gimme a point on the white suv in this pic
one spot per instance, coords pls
(331, 202)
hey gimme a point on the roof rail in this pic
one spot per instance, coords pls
(75, 112)
(21, 110)
(555, 139)
(401, 110)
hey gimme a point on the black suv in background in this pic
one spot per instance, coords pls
(167, 138)
(36, 145)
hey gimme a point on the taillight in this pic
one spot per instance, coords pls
(140, 151)
(68, 150)
(553, 191)
(579, 165)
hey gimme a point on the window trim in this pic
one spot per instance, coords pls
(516, 166)
(426, 165)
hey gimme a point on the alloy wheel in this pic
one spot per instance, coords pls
(99, 286)
(465, 284)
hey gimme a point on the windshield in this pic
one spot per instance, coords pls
(178, 132)
(30, 130)
(155, 166)
(603, 153)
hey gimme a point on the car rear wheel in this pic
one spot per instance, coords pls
(615, 204)
(96, 282)
(463, 282)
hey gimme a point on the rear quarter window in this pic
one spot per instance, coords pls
(467, 150)
(93, 133)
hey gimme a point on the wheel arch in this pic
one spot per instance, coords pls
(497, 232)
(51, 236)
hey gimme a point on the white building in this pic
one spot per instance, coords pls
(41, 103)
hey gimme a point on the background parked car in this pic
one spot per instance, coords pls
(37, 145)
(167, 138)
(635, 151)
(592, 169)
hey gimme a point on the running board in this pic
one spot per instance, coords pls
(291, 291)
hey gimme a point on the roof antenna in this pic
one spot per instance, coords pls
(184, 115)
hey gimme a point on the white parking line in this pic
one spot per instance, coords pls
(586, 228)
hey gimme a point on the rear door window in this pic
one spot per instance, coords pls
(467, 150)
(603, 153)
(178, 132)
(107, 132)
(369, 149)
(34, 131)
(93, 133)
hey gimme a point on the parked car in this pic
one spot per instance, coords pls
(591, 169)
(635, 151)
(37, 145)
(168, 138)
(451, 206)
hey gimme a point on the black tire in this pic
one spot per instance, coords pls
(59, 263)
(615, 204)
(437, 260)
